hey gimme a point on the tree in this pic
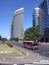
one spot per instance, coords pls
(16, 39)
(4, 39)
(32, 33)
(0, 37)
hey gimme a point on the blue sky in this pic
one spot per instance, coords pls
(7, 7)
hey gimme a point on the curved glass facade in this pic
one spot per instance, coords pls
(17, 30)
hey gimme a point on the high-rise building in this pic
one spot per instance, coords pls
(17, 28)
(38, 19)
(45, 7)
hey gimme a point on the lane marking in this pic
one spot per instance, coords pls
(42, 62)
(14, 64)
(28, 64)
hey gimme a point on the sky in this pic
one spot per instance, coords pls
(7, 7)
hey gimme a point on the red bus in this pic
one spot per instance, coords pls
(31, 44)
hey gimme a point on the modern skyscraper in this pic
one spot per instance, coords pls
(38, 19)
(45, 7)
(17, 28)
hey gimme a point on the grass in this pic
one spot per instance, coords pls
(5, 50)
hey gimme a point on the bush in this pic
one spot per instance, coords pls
(16, 39)
(10, 45)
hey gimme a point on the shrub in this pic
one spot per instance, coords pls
(10, 45)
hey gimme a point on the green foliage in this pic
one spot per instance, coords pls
(31, 33)
(16, 39)
(0, 37)
(4, 39)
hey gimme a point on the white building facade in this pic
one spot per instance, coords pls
(17, 30)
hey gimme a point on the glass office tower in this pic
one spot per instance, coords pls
(45, 7)
(36, 17)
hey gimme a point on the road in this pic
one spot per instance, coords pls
(43, 50)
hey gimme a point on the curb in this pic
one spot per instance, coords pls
(24, 64)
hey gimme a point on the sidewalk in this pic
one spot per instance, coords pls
(44, 43)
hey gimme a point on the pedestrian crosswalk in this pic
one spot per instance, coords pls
(28, 64)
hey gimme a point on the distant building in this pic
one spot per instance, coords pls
(38, 19)
(41, 19)
(17, 28)
(45, 7)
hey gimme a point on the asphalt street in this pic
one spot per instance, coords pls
(43, 50)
